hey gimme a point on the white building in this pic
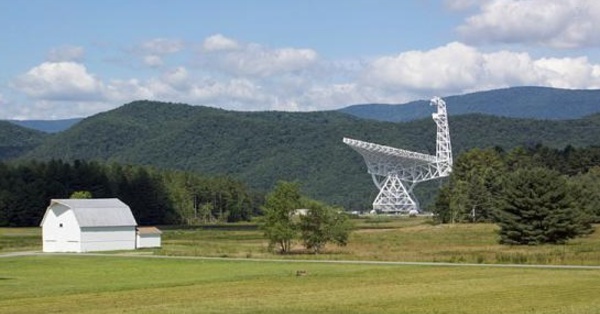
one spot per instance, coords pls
(148, 237)
(86, 225)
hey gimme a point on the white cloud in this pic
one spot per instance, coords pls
(457, 68)
(568, 72)
(177, 77)
(161, 46)
(554, 23)
(66, 81)
(121, 91)
(256, 77)
(445, 68)
(460, 5)
(253, 60)
(219, 42)
(153, 61)
(154, 51)
(66, 53)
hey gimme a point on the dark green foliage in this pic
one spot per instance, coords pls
(323, 224)
(470, 195)
(283, 223)
(472, 191)
(586, 191)
(81, 195)
(16, 141)
(536, 207)
(260, 148)
(155, 197)
(278, 222)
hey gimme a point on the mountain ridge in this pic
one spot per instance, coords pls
(531, 102)
(261, 148)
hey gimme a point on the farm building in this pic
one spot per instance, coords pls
(86, 225)
(148, 237)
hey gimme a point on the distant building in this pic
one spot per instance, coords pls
(301, 212)
(148, 237)
(87, 225)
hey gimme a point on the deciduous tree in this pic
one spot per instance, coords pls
(323, 224)
(278, 222)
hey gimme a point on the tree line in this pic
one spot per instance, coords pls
(154, 196)
(535, 194)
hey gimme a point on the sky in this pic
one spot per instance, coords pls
(72, 58)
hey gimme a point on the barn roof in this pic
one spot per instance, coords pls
(98, 212)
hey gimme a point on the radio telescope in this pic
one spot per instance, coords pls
(396, 171)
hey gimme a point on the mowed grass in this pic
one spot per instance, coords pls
(116, 284)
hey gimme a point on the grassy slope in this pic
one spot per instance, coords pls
(79, 284)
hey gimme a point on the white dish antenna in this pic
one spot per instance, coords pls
(396, 171)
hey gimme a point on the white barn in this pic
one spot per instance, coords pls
(87, 225)
(148, 237)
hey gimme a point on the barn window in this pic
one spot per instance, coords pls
(60, 225)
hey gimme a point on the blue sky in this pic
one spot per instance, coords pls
(73, 58)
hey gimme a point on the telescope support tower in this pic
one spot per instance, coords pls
(393, 169)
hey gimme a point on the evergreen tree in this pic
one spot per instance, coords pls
(536, 208)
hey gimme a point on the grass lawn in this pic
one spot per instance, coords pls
(116, 284)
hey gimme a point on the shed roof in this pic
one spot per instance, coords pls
(148, 230)
(98, 212)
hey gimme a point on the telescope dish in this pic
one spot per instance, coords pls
(394, 169)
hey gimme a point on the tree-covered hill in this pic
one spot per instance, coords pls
(261, 148)
(16, 140)
(515, 102)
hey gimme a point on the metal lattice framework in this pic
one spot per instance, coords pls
(396, 171)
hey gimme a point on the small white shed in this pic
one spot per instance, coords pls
(148, 237)
(87, 225)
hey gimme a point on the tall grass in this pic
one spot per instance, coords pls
(379, 239)
(20, 239)
(392, 239)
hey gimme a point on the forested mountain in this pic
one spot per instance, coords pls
(16, 140)
(48, 126)
(260, 148)
(515, 102)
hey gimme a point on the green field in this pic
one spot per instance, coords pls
(400, 239)
(116, 284)
(177, 279)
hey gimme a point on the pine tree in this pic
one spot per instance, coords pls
(536, 207)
